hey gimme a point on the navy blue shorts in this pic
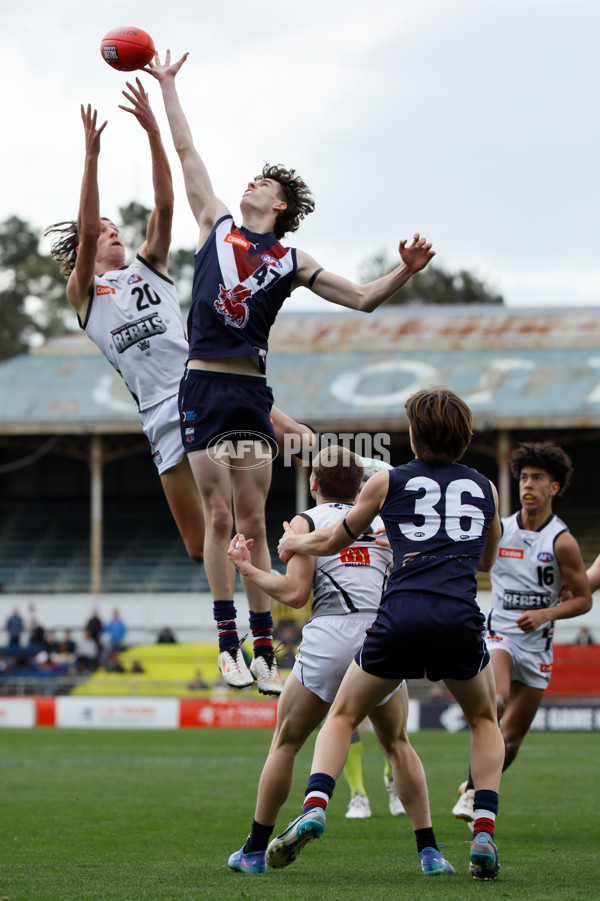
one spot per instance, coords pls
(416, 636)
(214, 404)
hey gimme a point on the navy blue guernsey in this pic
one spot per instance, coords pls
(437, 519)
(240, 282)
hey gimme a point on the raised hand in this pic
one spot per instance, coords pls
(89, 118)
(163, 71)
(142, 111)
(418, 254)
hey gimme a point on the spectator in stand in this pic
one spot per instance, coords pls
(47, 659)
(116, 631)
(66, 649)
(113, 663)
(35, 628)
(14, 627)
(166, 636)
(197, 683)
(93, 629)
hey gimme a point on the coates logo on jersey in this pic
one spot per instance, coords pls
(273, 262)
(237, 239)
(355, 556)
(515, 552)
(231, 304)
(104, 289)
(133, 279)
(545, 557)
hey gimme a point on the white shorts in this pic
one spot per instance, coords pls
(329, 645)
(161, 428)
(532, 668)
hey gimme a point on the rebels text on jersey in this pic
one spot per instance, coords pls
(525, 576)
(134, 318)
(240, 282)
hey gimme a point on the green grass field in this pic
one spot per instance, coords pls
(133, 815)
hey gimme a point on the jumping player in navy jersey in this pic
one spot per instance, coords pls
(131, 312)
(442, 523)
(538, 557)
(242, 276)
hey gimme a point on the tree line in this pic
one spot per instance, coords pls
(33, 306)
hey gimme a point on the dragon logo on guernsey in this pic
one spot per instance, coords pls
(231, 304)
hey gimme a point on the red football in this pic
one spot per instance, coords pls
(127, 48)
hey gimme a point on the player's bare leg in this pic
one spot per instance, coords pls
(299, 712)
(389, 722)
(477, 698)
(522, 706)
(214, 485)
(185, 503)
(251, 478)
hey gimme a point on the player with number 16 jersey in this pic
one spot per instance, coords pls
(526, 576)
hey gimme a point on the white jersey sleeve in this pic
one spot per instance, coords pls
(134, 318)
(353, 580)
(525, 576)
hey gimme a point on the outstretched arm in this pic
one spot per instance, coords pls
(88, 219)
(206, 207)
(329, 540)
(293, 587)
(365, 298)
(155, 248)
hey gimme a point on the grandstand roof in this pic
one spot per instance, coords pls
(530, 368)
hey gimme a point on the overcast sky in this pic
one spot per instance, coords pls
(473, 121)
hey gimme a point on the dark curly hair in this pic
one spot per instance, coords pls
(296, 194)
(543, 455)
(64, 243)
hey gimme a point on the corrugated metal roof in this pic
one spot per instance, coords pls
(526, 368)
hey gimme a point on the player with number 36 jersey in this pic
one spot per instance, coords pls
(442, 523)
